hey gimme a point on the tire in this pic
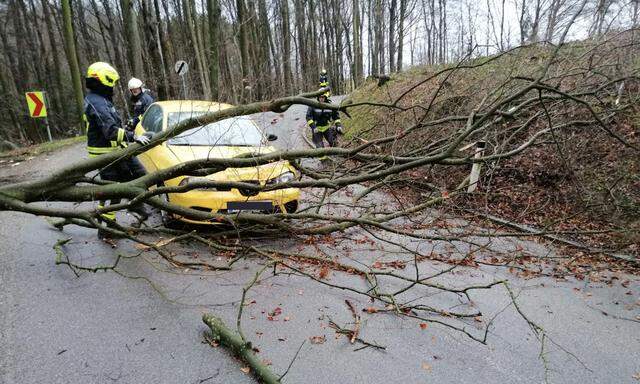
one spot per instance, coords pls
(168, 221)
(291, 206)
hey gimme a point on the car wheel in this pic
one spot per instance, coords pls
(291, 206)
(167, 218)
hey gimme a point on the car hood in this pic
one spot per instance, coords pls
(184, 153)
(262, 173)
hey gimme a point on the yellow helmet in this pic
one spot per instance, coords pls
(103, 72)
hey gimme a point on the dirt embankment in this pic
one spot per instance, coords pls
(581, 179)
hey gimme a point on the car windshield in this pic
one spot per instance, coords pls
(235, 131)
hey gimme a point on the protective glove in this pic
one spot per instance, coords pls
(339, 129)
(130, 126)
(142, 140)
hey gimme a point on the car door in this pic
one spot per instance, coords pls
(152, 121)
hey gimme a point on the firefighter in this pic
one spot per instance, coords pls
(105, 134)
(141, 99)
(324, 81)
(324, 123)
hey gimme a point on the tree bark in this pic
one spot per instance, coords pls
(403, 11)
(286, 46)
(243, 44)
(201, 69)
(132, 38)
(241, 348)
(357, 44)
(392, 35)
(213, 10)
(72, 58)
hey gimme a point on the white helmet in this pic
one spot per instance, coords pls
(135, 83)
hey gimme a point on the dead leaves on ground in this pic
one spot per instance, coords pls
(324, 272)
(273, 315)
(318, 339)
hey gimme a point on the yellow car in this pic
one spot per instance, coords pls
(224, 139)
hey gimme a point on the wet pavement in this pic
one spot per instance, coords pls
(143, 324)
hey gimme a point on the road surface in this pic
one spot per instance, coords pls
(143, 325)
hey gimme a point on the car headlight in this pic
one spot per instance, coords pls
(284, 178)
(191, 180)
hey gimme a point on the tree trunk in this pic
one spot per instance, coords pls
(373, 45)
(213, 10)
(286, 46)
(87, 50)
(157, 73)
(243, 45)
(167, 46)
(403, 11)
(132, 38)
(552, 19)
(301, 28)
(8, 89)
(232, 340)
(392, 35)
(201, 50)
(534, 33)
(191, 24)
(357, 44)
(72, 58)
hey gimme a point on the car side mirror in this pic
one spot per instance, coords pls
(272, 137)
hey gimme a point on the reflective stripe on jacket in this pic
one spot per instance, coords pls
(104, 126)
(322, 118)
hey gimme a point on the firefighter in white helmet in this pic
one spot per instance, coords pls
(141, 99)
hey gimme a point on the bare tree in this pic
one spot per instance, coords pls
(72, 58)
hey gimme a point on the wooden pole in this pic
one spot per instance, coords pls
(474, 177)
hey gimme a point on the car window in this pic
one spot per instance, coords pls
(152, 119)
(234, 131)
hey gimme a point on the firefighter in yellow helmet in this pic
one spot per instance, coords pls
(325, 124)
(105, 132)
(324, 81)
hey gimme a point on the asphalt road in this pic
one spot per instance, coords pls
(143, 325)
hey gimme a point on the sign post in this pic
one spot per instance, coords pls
(38, 108)
(474, 176)
(181, 69)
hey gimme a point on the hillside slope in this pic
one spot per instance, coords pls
(581, 171)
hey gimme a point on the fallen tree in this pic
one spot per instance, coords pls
(518, 114)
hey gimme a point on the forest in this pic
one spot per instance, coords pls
(249, 50)
(475, 217)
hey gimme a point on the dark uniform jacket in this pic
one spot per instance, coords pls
(324, 80)
(140, 105)
(320, 119)
(104, 126)
(105, 134)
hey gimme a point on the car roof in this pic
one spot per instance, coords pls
(192, 105)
